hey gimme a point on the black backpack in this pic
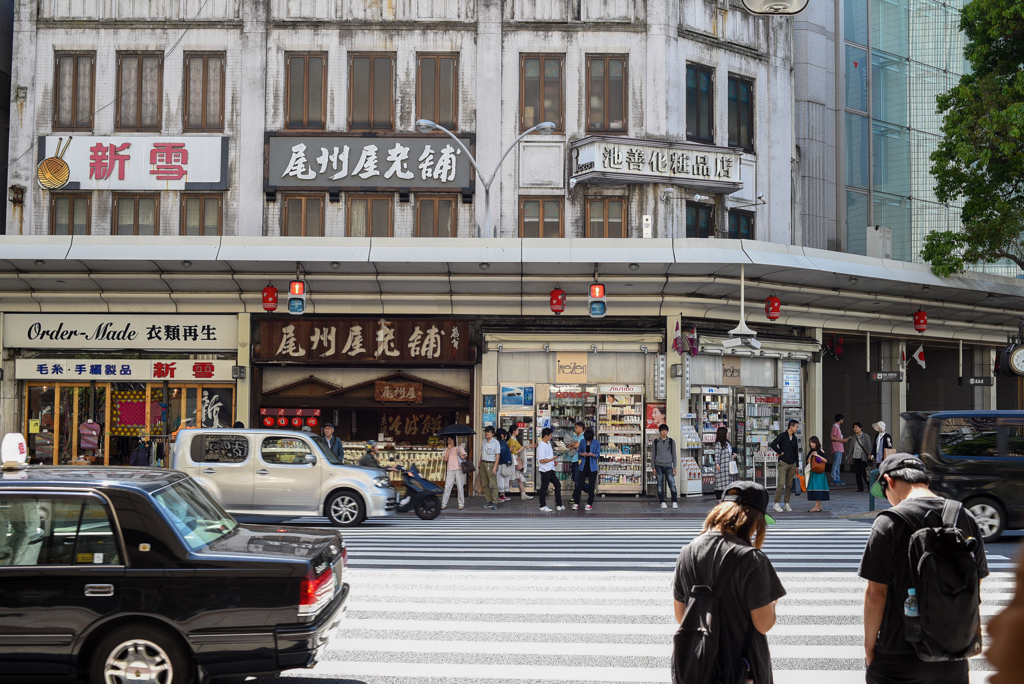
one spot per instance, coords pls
(945, 575)
(698, 657)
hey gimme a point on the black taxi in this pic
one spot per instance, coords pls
(137, 574)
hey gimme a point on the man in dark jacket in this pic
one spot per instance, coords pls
(788, 449)
(140, 455)
(336, 446)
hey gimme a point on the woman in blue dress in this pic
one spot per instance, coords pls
(817, 483)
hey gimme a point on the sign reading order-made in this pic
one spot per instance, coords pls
(133, 331)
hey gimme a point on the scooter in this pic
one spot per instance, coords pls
(422, 496)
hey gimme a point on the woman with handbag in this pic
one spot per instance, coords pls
(454, 455)
(724, 473)
(505, 469)
(519, 464)
(817, 481)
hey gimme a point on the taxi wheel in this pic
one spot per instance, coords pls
(344, 509)
(140, 653)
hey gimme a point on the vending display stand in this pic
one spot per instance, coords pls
(620, 415)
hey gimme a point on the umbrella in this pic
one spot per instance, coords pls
(456, 430)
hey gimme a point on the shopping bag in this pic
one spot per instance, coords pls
(733, 468)
(802, 484)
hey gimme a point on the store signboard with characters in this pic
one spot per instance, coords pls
(122, 370)
(411, 425)
(289, 418)
(116, 332)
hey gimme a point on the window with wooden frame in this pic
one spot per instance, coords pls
(70, 214)
(541, 86)
(437, 89)
(371, 92)
(435, 216)
(700, 220)
(305, 91)
(74, 91)
(700, 109)
(741, 225)
(140, 87)
(369, 216)
(606, 94)
(136, 214)
(204, 91)
(541, 217)
(741, 113)
(302, 216)
(202, 214)
(606, 217)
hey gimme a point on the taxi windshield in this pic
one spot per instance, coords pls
(195, 516)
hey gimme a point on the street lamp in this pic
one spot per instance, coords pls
(544, 128)
(775, 6)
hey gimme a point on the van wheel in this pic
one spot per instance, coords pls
(989, 516)
(140, 653)
(345, 509)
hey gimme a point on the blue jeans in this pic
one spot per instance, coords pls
(665, 475)
(575, 471)
(838, 455)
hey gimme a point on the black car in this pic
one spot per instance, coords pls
(137, 574)
(976, 457)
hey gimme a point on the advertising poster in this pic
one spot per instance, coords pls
(655, 416)
(490, 414)
(516, 396)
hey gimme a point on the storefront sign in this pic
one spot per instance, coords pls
(976, 382)
(410, 424)
(367, 163)
(99, 331)
(408, 392)
(615, 159)
(131, 162)
(885, 376)
(767, 400)
(122, 370)
(731, 374)
(570, 367)
(519, 396)
(620, 389)
(791, 383)
(343, 342)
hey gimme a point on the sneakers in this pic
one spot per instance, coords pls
(778, 508)
(560, 508)
(490, 506)
(575, 507)
(545, 509)
(525, 496)
(664, 505)
(502, 499)
(589, 507)
(788, 508)
(461, 507)
(675, 504)
(443, 507)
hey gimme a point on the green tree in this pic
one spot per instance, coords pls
(981, 155)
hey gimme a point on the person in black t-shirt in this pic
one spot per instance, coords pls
(737, 525)
(891, 659)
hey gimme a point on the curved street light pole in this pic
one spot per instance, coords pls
(426, 126)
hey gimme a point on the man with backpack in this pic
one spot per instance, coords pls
(924, 563)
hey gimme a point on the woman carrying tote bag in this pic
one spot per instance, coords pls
(817, 481)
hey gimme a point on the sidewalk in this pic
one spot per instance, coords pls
(846, 502)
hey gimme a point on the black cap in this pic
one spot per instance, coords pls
(749, 494)
(329, 425)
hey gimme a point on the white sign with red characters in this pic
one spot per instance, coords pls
(141, 163)
(122, 370)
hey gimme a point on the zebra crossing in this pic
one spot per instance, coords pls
(582, 601)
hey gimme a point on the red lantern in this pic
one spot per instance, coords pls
(772, 307)
(921, 320)
(268, 421)
(282, 422)
(557, 301)
(270, 298)
(312, 422)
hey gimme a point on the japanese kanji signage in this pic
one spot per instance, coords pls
(615, 160)
(123, 370)
(406, 392)
(141, 163)
(377, 340)
(411, 425)
(99, 331)
(365, 163)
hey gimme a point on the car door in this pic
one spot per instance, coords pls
(224, 465)
(287, 477)
(61, 570)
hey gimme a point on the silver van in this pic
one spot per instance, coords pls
(282, 473)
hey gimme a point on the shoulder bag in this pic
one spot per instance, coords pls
(817, 463)
(465, 464)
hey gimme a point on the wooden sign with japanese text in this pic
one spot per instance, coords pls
(361, 341)
(405, 392)
(411, 425)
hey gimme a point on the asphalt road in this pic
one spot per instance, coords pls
(583, 600)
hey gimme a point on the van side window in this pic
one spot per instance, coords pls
(224, 449)
(969, 437)
(56, 530)
(284, 451)
(1012, 429)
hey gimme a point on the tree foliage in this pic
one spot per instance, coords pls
(981, 155)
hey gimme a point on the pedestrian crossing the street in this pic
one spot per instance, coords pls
(582, 600)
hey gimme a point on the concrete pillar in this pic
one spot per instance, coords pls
(983, 359)
(243, 410)
(8, 389)
(813, 420)
(251, 126)
(676, 401)
(894, 396)
(492, 130)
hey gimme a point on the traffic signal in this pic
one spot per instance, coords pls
(297, 297)
(598, 305)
